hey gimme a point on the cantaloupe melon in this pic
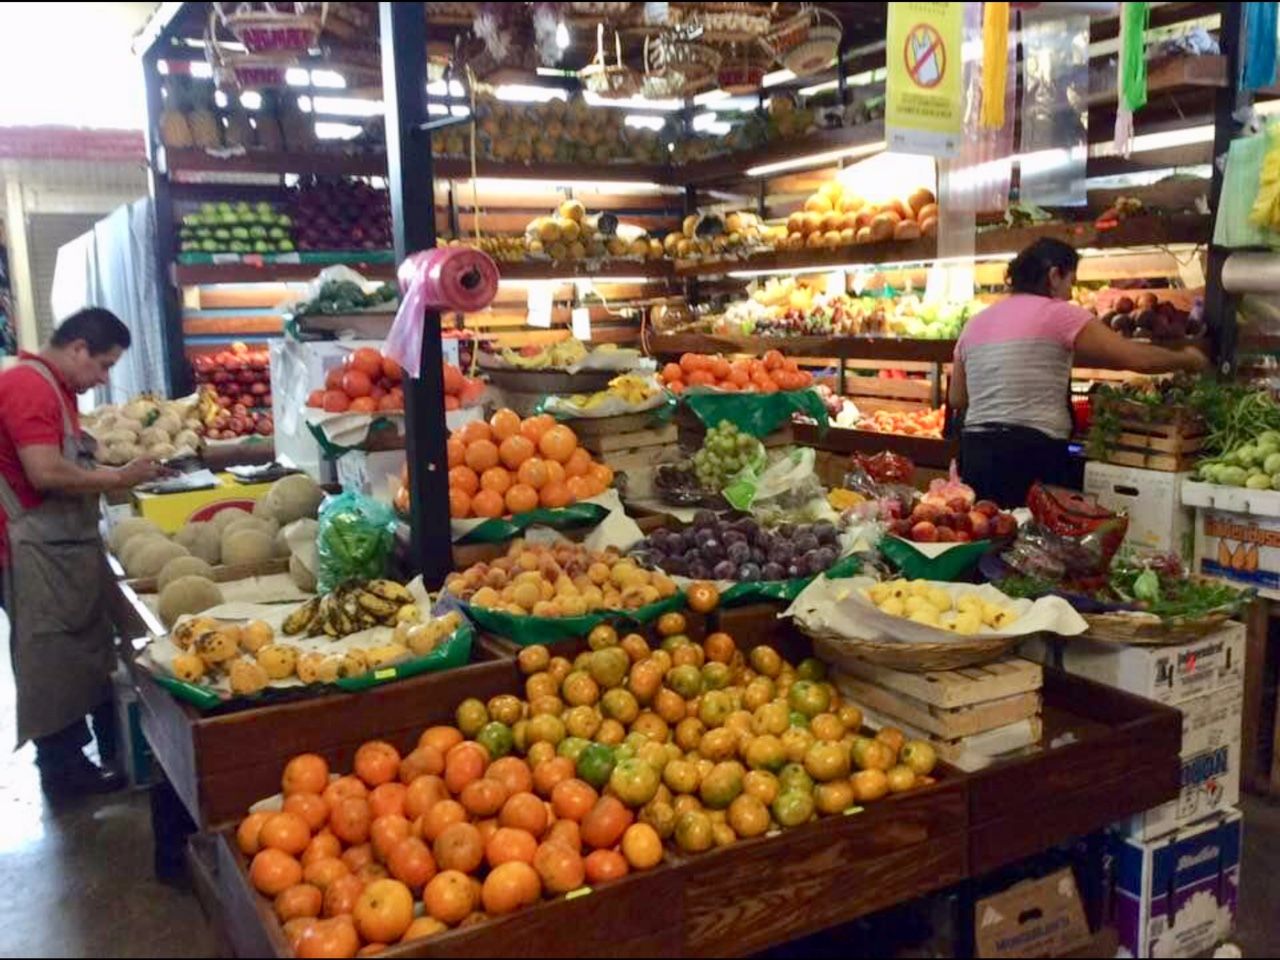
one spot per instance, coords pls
(292, 498)
(202, 540)
(180, 567)
(150, 558)
(303, 577)
(188, 595)
(264, 524)
(246, 546)
(129, 552)
(224, 518)
(127, 529)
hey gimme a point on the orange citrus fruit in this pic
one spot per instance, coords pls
(555, 494)
(487, 504)
(481, 455)
(515, 451)
(558, 444)
(533, 473)
(505, 423)
(475, 430)
(496, 479)
(522, 498)
(464, 479)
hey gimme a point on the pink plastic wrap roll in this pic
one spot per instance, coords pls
(455, 279)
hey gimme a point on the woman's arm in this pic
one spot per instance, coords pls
(958, 392)
(1097, 345)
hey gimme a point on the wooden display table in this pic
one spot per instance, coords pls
(1106, 755)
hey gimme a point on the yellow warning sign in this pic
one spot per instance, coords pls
(923, 111)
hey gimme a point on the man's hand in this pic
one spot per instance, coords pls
(142, 470)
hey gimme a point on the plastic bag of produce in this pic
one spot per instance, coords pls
(355, 540)
(1071, 538)
(788, 489)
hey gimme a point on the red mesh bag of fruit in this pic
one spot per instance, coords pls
(886, 467)
(1071, 538)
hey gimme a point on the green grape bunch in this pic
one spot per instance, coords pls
(725, 451)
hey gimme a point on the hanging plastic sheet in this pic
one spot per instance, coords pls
(1055, 117)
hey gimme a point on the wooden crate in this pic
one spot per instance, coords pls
(1165, 439)
(588, 427)
(945, 723)
(955, 689)
(659, 436)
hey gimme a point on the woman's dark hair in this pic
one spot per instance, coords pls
(100, 329)
(1029, 271)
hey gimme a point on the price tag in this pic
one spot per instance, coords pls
(387, 674)
(860, 278)
(656, 14)
(580, 892)
(1191, 273)
(582, 323)
(835, 283)
(540, 297)
(288, 258)
(221, 258)
(852, 810)
(449, 350)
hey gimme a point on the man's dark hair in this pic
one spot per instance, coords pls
(100, 329)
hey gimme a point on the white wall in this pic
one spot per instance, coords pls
(30, 188)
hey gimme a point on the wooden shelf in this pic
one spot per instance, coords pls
(922, 451)
(1144, 231)
(272, 162)
(455, 168)
(197, 274)
(1171, 74)
(731, 166)
(608, 270)
(845, 348)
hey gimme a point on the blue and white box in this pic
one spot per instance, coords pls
(1177, 896)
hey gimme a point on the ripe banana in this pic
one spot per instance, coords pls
(389, 590)
(300, 619)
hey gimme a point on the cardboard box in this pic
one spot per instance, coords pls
(1151, 498)
(1211, 734)
(1177, 896)
(1170, 675)
(375, 475)
(172, 511)
(1035, 918)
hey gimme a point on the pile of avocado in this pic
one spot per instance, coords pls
(344, 296)
(237, 228)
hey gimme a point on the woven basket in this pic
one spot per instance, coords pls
(911, 657)
(730, 22)
(274, 28)
(677, 68)
(605, 79)
(233, 70)
(1146, 629)
(789, 33)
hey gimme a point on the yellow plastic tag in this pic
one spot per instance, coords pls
(580, 892)
(387, 674)
(852, 810)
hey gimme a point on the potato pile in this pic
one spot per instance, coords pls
(929, 604)
(145, 427)
(565, 580)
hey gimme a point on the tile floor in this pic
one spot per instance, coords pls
(79, 878)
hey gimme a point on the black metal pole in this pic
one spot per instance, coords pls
(178, 380)
(412, 184)
(1219, 306)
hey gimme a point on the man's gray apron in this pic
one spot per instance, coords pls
(56, 590)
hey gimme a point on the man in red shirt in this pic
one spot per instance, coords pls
(54, 572)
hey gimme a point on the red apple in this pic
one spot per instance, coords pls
(981, 525)
(947, 535)
(924, 532)
(266, 427)
(987, 508)
(963, 536)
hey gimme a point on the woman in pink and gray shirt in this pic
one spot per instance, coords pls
(1011, 378)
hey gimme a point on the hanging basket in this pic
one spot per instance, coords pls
(741, 73)
(820, 46)
(729, 22)
(789, 33)
(234, 70)
(606, 10)
(605, 79)
(274, 28)
(677, 68)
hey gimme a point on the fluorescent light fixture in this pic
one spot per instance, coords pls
(458, 110)
(329, 79)
(162, 67)
(337, 131)
(562, 36)
(348, 106)
(201, 70)
(631, 103)
(437, 88)
(555, 72)
(305, 104)
(777, 77)
(818, 88)
(1159, 141)
(297, 77)
(816, 159)
(521, 282)
(720, 129)
(645, 121)
(220, 99)
(703, 121)
(711, 96)
(251, 100)
(528, 93)
(494, 186)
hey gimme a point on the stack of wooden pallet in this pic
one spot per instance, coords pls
(971, 716)
(626, 443)
(1164, 438)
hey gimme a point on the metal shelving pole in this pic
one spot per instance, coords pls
(411, 181)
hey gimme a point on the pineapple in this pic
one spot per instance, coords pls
(205, 129)
(175, 132)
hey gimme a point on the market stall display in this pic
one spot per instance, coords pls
(769, 374)
(146, 426)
